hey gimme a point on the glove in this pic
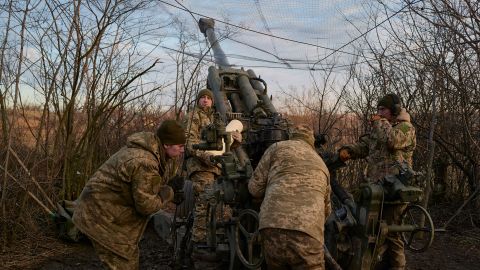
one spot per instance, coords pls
(177, 182)
(166, 193)
(178, 197)
(344, 154)
(351, 204)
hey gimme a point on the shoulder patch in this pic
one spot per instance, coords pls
(404, 127)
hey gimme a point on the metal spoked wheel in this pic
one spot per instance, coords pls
(212, 224)
(421, 233)
(248, 248)
(181, 228)
(186, 206)
(344, 249)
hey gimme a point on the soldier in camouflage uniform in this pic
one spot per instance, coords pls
(294, 182)
(201, 171)
(391, 142)
(117, 201)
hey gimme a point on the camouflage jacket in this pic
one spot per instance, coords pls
(294, 181)
(198, 160)
(117, 201)
(386, 146)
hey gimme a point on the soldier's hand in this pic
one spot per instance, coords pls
(237, 139)
(344, 154)
(166, 193)
(237, 136)
(375, 117)
(207, 158)
(177, 182)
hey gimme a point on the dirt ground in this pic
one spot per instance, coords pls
(155, 254)
(449, 251)
(457, 248)
(454, 249)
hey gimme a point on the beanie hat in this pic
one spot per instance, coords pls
(171, 132)
(204, 92)
(392, 102)
(304, 133)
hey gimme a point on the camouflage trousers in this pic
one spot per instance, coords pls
(393, 251)
(113, 261)
(203, 187)
(289, 249)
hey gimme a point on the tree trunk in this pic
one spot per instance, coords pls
(431, 151)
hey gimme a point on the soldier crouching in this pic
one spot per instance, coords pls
(116, 203)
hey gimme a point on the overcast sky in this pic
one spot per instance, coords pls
(281, 40)
(299, 32)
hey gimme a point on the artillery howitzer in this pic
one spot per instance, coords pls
(238, 95)
(241, 95)
(354, 237)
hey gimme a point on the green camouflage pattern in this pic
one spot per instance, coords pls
(117, 201)
(201, 171)
(387, 145)
(294, 181)
(393, 249)
(203, 188)
(384, 148)
(289, 249)
(198, 160)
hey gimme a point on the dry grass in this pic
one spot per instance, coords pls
(33, 250)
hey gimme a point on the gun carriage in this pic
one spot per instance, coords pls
(353, 236)
(238, 95)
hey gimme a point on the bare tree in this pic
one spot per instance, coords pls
(93, 68)
(428, 53)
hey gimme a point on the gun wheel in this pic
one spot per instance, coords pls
(247, 241)
(186, 206)
(181, 228)
(420, 237)
(344, 249)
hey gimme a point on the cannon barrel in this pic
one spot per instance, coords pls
(215, 85)
(249, 96)
(207, 28)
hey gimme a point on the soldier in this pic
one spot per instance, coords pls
(116, 203)
(333, 162)
(390, 143)
(294, 182)
(202, 172)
